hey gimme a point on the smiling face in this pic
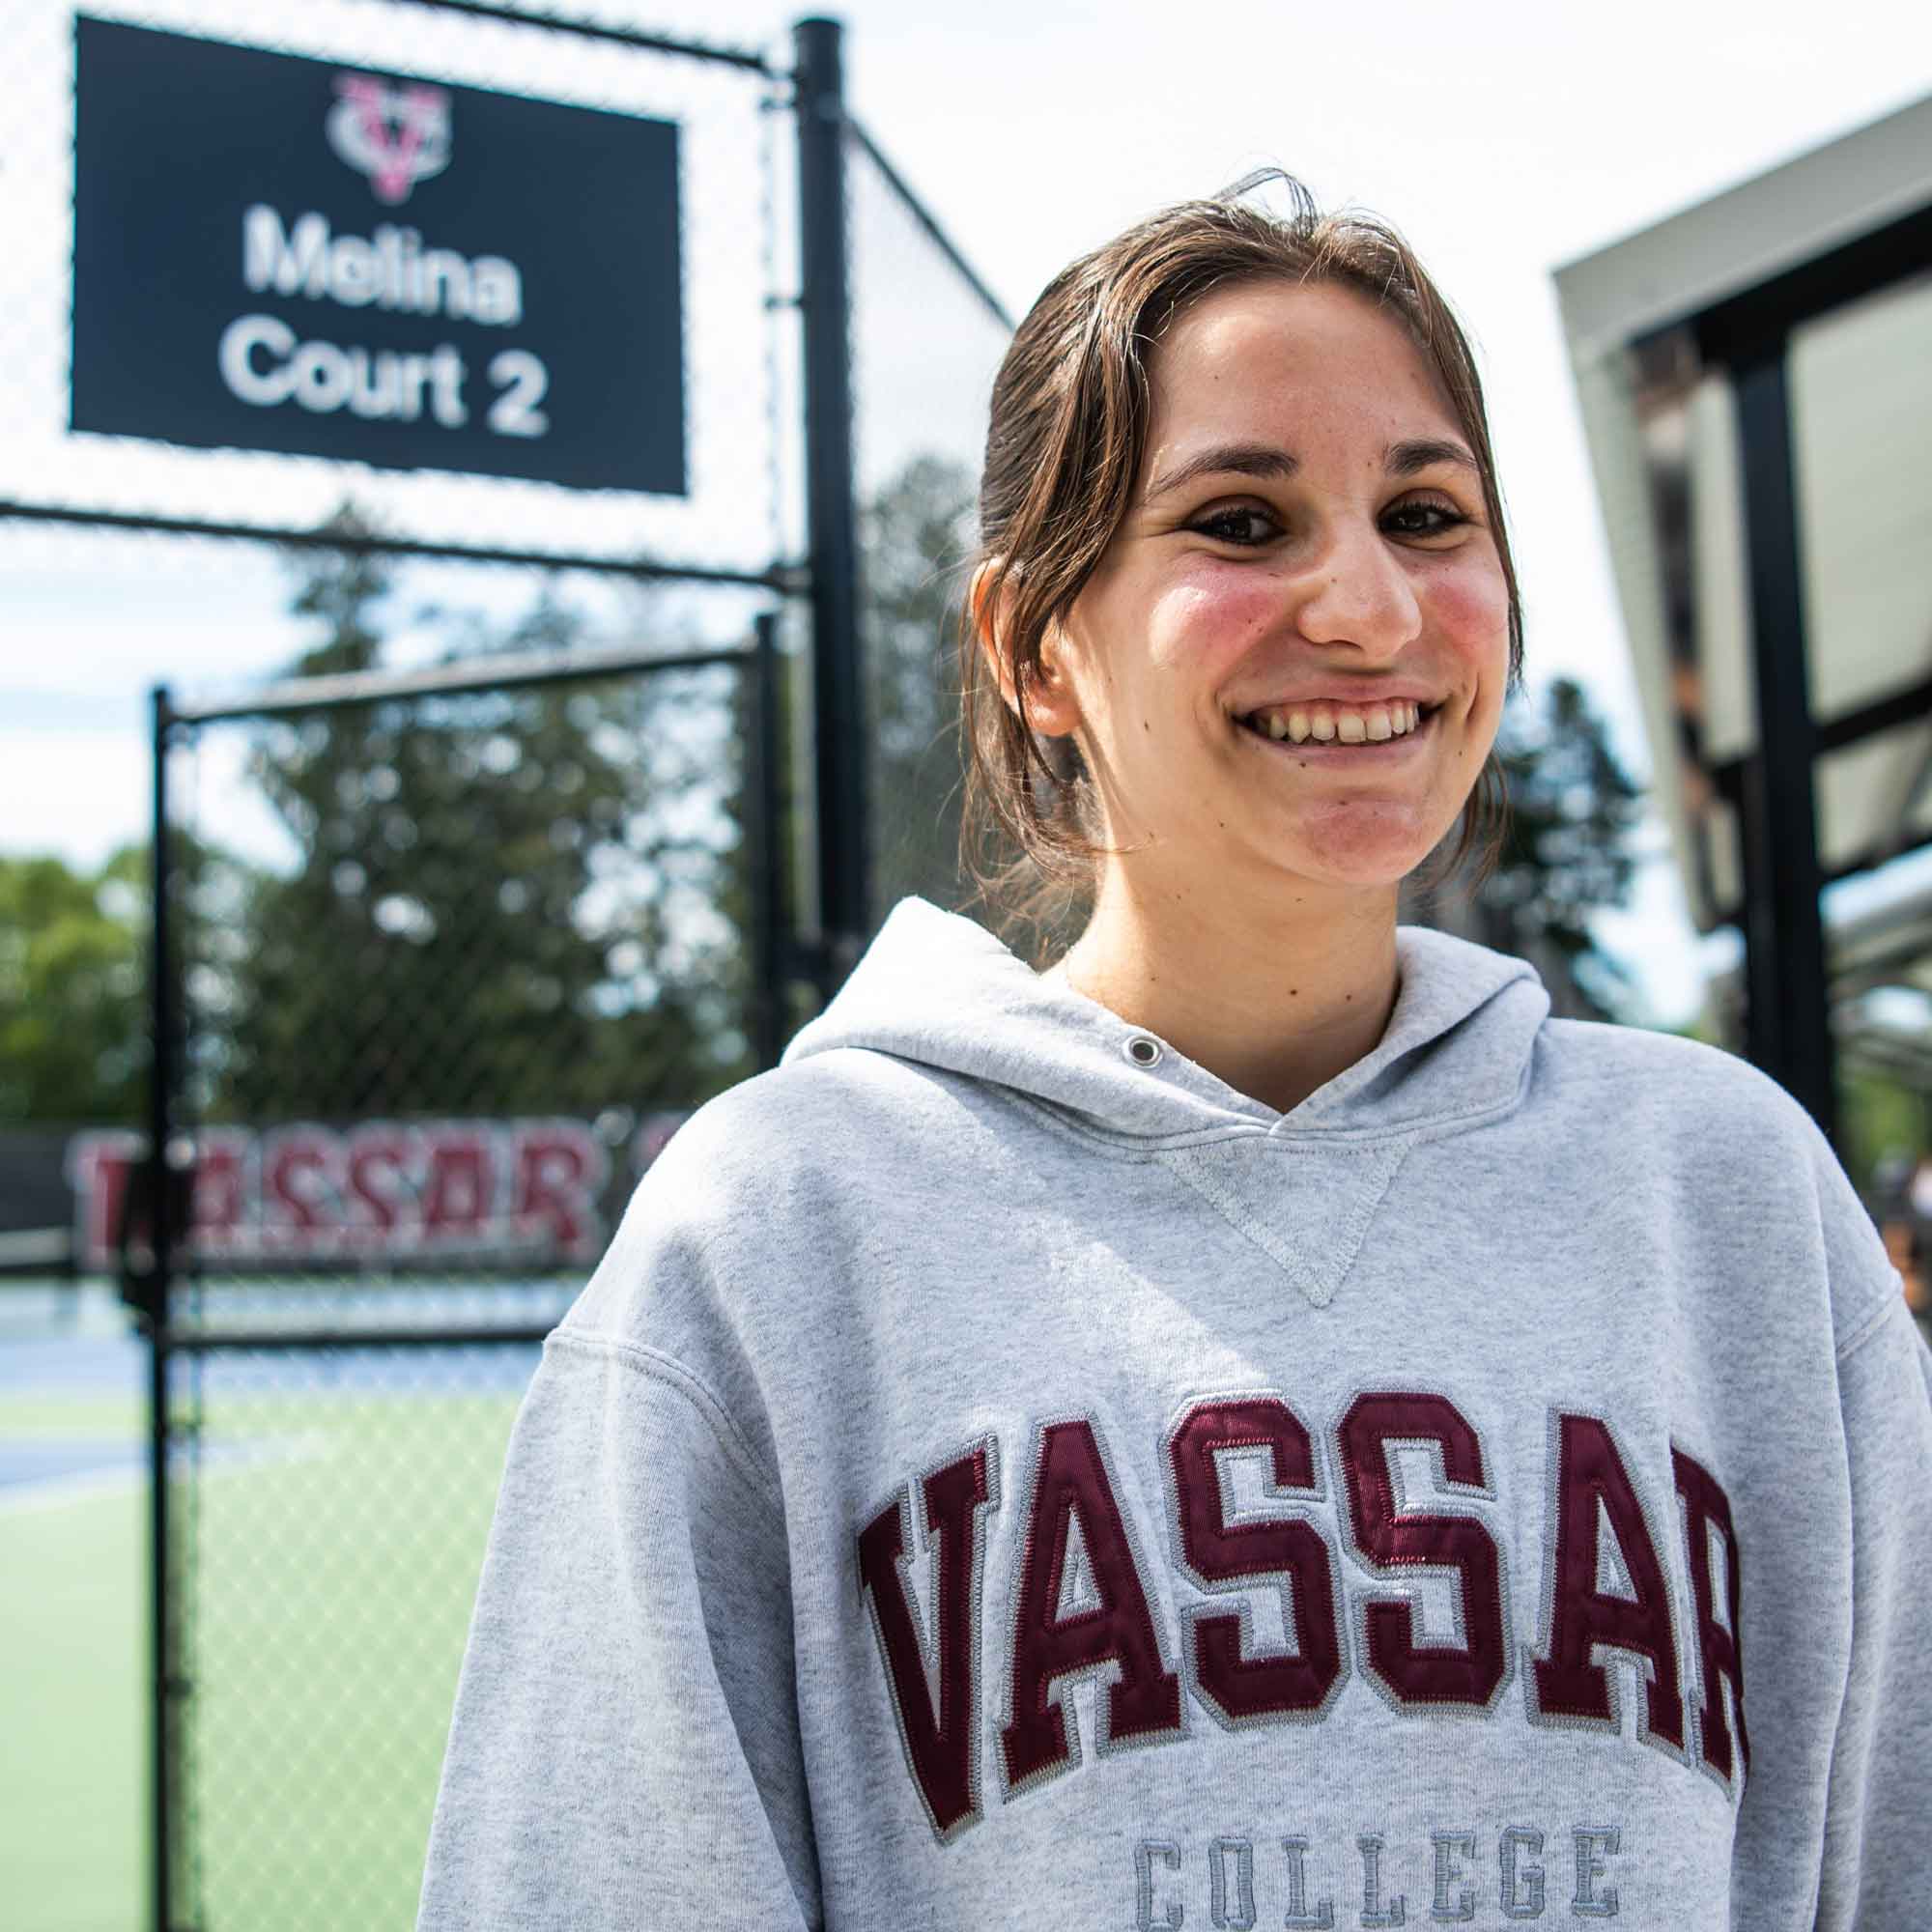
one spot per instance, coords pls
(1305, 557)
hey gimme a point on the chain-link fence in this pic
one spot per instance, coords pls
(926, 339)
(510, 871)
(424, 1050)
(441, 966)
(722, 109)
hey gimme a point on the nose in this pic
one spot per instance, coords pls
(1354, 592)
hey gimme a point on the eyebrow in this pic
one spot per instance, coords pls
(1265, 459)
(1404, 459)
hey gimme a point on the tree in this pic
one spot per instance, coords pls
(1567, 851)
(73, 1028)
(490, 907)
(916, 535)
(1884, 1124)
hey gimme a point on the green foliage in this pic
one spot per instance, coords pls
(491, 910)
(915, 536)
(73, 1038)
(1573, 809)
(539, 899)
(1882, 1123)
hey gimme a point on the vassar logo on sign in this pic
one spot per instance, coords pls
(395, 136)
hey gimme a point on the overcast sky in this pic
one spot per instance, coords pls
(1504, 139)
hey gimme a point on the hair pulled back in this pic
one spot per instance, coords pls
(1067, 439)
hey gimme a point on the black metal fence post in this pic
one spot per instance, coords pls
(839, 735)
(764, 836)
(1787, 1024)
(158, 1261)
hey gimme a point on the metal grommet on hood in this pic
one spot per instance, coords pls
(1142, 1050)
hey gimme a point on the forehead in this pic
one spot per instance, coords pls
(1291, 362)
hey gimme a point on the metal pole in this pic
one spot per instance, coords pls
(626, 37)
(841, 743)
(160, 1262)
(778, 577)
(305, 697)
(763, 820)
(1787, 1027)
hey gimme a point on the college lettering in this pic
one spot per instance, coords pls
(1246, 1880)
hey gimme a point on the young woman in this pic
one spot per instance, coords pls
(1258, 1424)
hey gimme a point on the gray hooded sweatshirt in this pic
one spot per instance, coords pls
(1001, 1477)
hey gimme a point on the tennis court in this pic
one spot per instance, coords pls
(333, 1531)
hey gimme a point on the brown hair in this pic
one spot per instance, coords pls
(1065, 446)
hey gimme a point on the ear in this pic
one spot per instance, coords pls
(1051, 708)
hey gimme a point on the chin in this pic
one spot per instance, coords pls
(1349, 850)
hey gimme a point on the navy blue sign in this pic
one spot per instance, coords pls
(274, 253)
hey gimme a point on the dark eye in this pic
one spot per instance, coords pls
(1247, 527)
(1424, 518)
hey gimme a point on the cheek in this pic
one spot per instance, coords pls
(1211, 616)
(1470, 603)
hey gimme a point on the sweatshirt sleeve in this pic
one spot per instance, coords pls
(624, 1751)
(1877, 1866)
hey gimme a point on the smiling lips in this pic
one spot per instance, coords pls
(1330, 724)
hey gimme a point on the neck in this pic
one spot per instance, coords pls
(1275, 1004)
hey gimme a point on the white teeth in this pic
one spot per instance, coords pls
(1351, 728)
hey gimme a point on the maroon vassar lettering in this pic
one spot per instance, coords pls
(1219, 1553)
(1469, 1673)
(307, 1189)
(1719, 1652)
(1070, 1479)
(939, 1746)
(934, 1687)
(1590, 1472)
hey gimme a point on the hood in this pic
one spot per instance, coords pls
(940, 991)
(936, 988)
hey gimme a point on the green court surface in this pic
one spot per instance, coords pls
(73, 1840)
(336, 1539)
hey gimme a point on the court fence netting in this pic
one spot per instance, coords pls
(523, 820)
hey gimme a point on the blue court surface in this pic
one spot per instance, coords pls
(72, 1359)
